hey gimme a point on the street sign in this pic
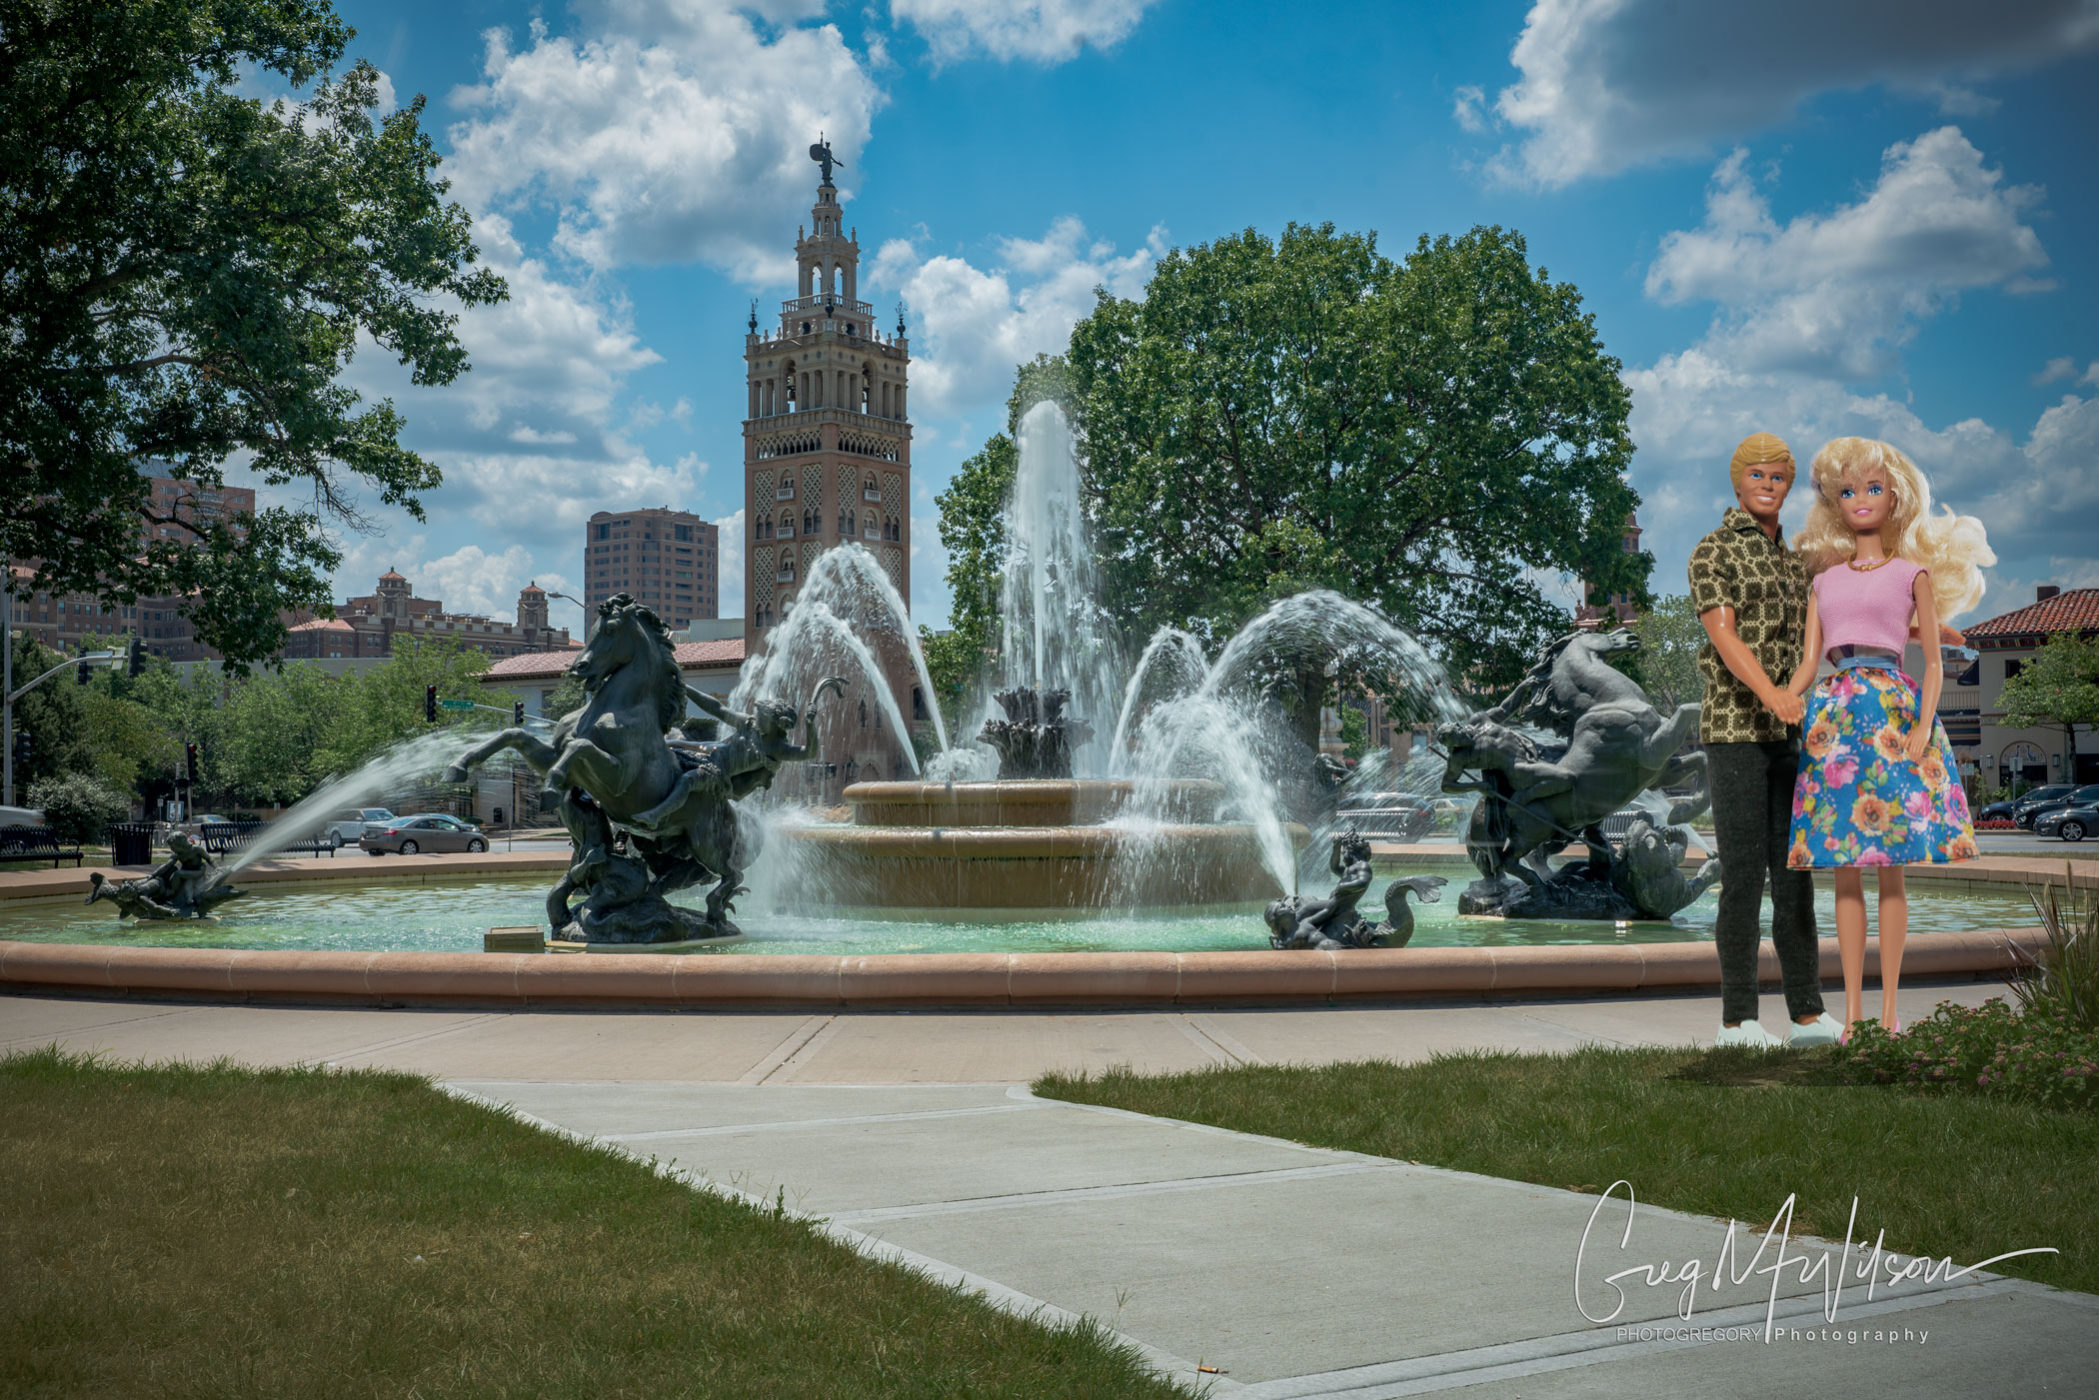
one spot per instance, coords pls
(456, 704)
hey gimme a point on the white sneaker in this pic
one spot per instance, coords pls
(1749, 1033)
(1824, 1030)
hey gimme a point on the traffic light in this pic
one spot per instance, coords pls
(135, 660)
(189, 763)
(83, 673)
(517, 713)
(23, 748)
(430, 704)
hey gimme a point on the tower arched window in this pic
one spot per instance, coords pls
(863, 714)
(786, 524)
(846, 526)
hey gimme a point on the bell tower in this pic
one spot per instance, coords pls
(826, 439)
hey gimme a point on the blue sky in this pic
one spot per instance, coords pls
(1806, 216)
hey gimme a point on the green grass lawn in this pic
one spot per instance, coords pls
(1723, 1133)
(217, 1231)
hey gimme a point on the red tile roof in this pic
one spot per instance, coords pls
(548, 665)
(330, 624)
(2072, 610)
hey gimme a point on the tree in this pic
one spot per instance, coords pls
(973, 532)
(187, 272)
(52, 715)
(1425, 437)
(385, 704)
(2059, 686)
(1670, 635)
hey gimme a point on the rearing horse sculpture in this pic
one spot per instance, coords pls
(612, 777)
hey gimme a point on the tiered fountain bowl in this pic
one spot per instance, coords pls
(1042, 846)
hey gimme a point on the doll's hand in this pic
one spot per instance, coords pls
(1786, 705)
(1918, 741)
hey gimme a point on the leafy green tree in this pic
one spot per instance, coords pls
(78, 807)
(973, 532)
(53, 716)
(2058, 686)
(1423, 436)
(954, 665)
(1670, 635)
(184, 274)
(276, 733)
(385, 704)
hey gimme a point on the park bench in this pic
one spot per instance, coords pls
(34, 843)
(221, 838)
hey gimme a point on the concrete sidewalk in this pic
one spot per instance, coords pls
(1295, 1271)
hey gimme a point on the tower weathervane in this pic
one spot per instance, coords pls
(821, 154)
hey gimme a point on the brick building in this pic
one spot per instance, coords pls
(64, 621)
(827, 455)
(368, 626)
(668, 559)
(1971, 705)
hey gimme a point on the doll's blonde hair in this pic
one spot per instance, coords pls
(1952, 547)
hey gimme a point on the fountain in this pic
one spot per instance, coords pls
(1175, 783)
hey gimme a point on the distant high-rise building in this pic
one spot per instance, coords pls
(668, 559)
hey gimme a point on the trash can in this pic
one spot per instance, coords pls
(131, 843)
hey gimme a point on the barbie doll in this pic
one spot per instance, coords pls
(1876, 784)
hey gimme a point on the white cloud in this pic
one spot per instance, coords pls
(728, 594)
(1811, 306)
(1041, 31)
(467, 580)
(1611, 84)
(673, 133)
(1836, 292)
(1467, 111)
(2061, 367)
(974, 325)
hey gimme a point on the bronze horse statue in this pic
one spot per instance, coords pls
(1604, 745)
(632, 804)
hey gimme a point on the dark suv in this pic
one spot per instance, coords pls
(2042, 798)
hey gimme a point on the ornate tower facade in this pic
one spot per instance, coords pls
(827, 440)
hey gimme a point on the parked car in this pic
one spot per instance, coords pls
(427, 832)
(2076, 797)
(2071, 823)
(1401, 814)
(1998, 811)
(21, 816)
(350, 823)
(2023, 808)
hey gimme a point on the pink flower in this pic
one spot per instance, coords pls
(1918, 805)
(1873, 856)
(1840, 771)
(1843, 687)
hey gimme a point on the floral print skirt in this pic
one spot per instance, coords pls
(1859, 800)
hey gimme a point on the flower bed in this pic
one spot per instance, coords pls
(1990, 1049)
(1997, 824)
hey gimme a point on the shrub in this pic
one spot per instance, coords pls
(78, 807)
(2039, 1057)
(2064, 980)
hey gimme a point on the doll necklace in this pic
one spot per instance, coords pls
(1868, 568)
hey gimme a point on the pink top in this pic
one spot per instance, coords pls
(1867, 607)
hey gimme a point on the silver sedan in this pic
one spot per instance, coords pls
(430, 832)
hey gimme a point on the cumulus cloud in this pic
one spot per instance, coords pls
(1835, 292)
(1041, 31)
(729, 530)
(672, 133)
(1809, 308)
(1610, 84)
(468, 579)
(975, 324)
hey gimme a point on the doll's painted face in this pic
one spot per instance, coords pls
(1865, 501)
(1763, 488)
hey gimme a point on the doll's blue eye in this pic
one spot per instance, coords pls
(1874, 489)
(1845, 494)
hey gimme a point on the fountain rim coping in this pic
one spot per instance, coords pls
(971, 980)
(978, 980)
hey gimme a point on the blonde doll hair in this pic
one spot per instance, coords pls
(1952, 547)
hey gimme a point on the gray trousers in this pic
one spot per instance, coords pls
(1752, 787)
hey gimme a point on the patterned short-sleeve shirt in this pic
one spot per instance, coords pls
(1739, 566)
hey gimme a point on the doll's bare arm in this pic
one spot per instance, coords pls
(1811, 651)
(1934, 668)
(1741, 661)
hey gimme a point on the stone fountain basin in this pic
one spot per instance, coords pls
(1058, 802)
(1042, 846)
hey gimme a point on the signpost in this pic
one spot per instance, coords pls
(455, 704)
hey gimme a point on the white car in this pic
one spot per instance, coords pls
(349, 824)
